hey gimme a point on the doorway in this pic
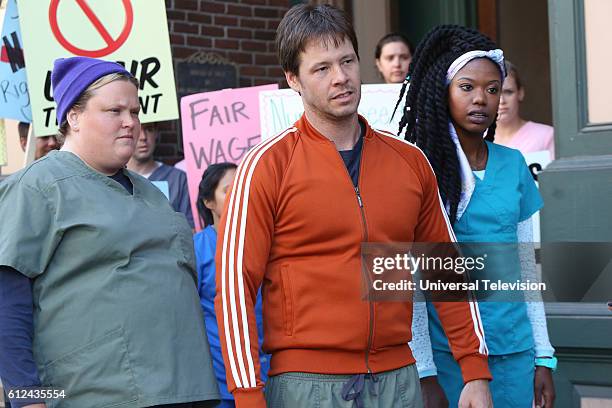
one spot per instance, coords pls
(520, 28)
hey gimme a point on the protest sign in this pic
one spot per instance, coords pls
(131, 32)
(281, 108)
(537, 161)
(14, 98)
(219, 126)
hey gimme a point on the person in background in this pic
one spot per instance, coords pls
(514, 131)
(216, 181)
(490, 196)
(97, 274)
(142, 162)
(393, 55)
(44, 144)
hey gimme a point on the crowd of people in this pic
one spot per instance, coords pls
(107, 294)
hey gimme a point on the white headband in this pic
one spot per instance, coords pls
(497, 56)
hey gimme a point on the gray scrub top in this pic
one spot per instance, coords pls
(117, 319)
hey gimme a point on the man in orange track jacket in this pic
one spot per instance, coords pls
(300, 207)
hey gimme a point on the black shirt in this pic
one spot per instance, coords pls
(352, 158)
(124, 180)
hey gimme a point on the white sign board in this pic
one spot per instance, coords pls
(537, 161)
(280, 109)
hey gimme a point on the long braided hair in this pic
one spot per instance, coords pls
(426, 115)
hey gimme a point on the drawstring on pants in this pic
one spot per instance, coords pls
(356, 383)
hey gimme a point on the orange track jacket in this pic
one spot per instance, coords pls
(294, 224)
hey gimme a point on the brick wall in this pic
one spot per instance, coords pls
(242, 31)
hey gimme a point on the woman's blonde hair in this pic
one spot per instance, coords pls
(80, 103)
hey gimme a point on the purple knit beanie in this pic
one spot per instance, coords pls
(71, 76)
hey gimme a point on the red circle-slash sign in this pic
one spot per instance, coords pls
(112, 44)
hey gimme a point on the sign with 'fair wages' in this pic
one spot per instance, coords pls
(131, 32)
(219, 126)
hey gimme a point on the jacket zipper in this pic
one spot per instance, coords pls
(370, 304)
(365, 238)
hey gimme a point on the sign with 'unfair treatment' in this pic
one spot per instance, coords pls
(131, 32)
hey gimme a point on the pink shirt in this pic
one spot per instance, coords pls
(533, 137)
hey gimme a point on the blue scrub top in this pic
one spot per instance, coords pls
(506, 196)
(205, 243)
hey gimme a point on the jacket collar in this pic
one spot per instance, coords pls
(307, 130)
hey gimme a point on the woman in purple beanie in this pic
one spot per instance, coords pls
(98, 299)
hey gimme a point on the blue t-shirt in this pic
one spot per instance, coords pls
(505, 196)
(205, 243)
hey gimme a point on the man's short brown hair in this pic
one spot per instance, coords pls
(304, 23)
(23, 128)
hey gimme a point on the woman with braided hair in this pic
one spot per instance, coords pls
(455, 82)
